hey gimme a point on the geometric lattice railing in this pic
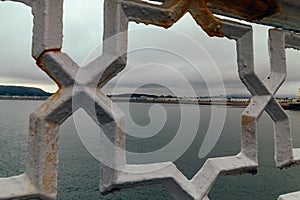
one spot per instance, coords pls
(81, 88)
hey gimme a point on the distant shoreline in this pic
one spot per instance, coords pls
(35, 98)
(242, 104)
(235, 104)
(231, 104)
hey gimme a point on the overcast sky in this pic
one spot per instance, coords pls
(205, 63)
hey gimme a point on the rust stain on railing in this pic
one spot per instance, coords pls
(248, 9)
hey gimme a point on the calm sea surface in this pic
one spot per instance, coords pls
(151, 129)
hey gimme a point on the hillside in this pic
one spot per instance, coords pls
(22, 91)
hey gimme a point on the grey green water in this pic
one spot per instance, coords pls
(79, 170)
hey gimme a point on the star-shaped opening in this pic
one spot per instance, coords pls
(198, 187)
(82, 88)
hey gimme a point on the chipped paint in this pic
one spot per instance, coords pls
(171, 11)
(203, 16)
(248, 124)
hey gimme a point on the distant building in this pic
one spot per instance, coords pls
(239, 99)
(150, 98)
(297, 99)
(219, 99)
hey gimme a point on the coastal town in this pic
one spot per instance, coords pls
(27, 93)
(286, 103)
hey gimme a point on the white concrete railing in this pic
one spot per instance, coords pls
(40, 177)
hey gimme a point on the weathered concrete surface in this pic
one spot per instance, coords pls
(81, 88)
(291, 196)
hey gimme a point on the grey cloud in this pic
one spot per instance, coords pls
(83, 32)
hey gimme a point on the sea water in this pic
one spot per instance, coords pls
(150, 128)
